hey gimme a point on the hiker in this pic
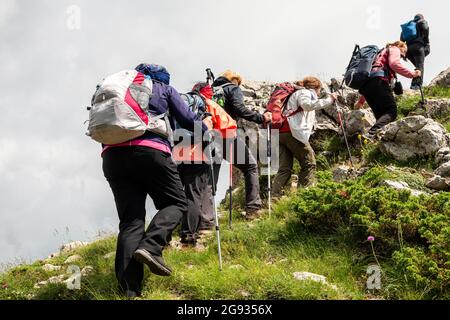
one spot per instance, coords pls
(418, 43)
(195, 172)
(377, 91)
(296, 130)
(233, 104)
(141, 167)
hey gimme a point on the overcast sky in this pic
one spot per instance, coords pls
(53, 53)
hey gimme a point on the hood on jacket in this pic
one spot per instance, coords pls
(220, 81)
(418, 17)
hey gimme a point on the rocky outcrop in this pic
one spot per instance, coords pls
(438, 108)
(400, 185)
(413, 137)
(443, 79)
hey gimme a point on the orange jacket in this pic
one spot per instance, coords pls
(221, 121)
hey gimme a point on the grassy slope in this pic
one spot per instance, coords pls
(259, 260)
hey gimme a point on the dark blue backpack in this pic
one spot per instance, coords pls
(360, 66)
(409, 30)
(196, 105)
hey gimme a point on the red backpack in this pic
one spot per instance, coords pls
(278, 101)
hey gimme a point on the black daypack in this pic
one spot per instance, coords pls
(360, 66)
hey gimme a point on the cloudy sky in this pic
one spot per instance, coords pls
(53, 53)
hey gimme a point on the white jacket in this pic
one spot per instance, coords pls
(302, 123)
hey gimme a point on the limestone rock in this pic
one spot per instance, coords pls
(50, 268)
(442, 156)
(359, 121)
(73, 259)
(400, 185)
(302, 276)
(443, 79)
(73, 245)
(443, 170)
(438, 183)
(412, 137)
(438, 108)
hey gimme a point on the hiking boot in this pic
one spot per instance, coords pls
(415, 87)
(154, 262)
(253, 214)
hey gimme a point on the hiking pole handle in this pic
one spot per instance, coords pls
(209, 76)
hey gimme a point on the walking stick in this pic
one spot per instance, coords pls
(230, 190)
(216, 216)
(269, 163)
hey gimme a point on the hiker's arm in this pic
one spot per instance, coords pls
(307, 104)
(426, 33)
(396, 65)
(180, 110)
(240, 110)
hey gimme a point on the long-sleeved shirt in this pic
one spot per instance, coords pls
(302, 123)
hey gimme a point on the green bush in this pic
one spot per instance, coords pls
(413, 231)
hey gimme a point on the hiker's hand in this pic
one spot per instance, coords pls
(334, 96)
(208, 122)
(267, 117)
(417, 74)
(359, 105)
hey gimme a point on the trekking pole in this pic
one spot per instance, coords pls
(421, 94)
(345, 134)
(341, 123)
(216, 216)
(269, 163)
(230, 190)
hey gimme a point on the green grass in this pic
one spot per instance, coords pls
(437, 92)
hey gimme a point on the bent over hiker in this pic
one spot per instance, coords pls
(140, 167)
(296, 131)
(229, 83)
(377, 91)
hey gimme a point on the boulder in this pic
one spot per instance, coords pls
(359, 121)
(412, 137)
(438, 183)
(438, 108)
(443, 79)
(442, 156)
(443, 170)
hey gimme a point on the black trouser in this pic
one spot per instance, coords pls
(133, 173)
(195, 178)
(247, 164)
(416, 54)
(381, 100)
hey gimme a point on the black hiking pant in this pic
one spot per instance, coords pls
(416, 54)
(195, 178)
(381, 100)
(133, 173)
(244, 160)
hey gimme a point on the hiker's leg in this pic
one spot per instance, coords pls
(381, 100)
(250, 170)
(129, 197)
(416, 54)
(304, 153)
(286, 161)
(195, 180)
(165, 188)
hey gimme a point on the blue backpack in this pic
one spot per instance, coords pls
(360, 66)
(409, 30)
(196, 105)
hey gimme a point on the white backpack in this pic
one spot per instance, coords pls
(120, 111)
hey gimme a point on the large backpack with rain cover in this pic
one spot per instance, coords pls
(360, 66)
(120, 109)
(278, 101)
